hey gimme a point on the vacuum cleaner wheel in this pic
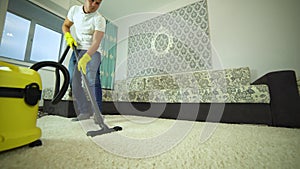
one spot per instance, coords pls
(36, 143)
(117, 128)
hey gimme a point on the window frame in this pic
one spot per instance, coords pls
(37, 16)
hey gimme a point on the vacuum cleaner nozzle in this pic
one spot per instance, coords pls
(104, 130)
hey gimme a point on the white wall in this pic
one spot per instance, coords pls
(261, 34)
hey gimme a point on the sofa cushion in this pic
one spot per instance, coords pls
(238, 76)
(185, 80)
(236, 94)
(223, 78)
(109, 95)
(230, 94)
(160, 82)
(136, 84)
(131, 84)
(133, 96)
(120, 85)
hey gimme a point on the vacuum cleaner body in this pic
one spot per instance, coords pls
(20, 92)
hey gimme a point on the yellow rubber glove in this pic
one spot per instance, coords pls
(70, 40)
(82, 63)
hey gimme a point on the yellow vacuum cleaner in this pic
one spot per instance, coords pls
(20, 92)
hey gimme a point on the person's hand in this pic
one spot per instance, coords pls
(70, 40)
(82, 63)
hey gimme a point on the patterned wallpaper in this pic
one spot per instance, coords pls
(177, 41)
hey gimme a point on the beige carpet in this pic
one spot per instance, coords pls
(157, 143)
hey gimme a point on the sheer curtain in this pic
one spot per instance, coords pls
(109, 54)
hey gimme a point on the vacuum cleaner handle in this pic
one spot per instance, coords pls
(98, 113)
(63, 56)
(65, 72)
(104, 129)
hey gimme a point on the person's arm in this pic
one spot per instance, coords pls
(97, 37)
(66, 25)
(66, 30)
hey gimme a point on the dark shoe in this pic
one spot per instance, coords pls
(82, 116)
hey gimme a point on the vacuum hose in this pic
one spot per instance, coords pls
(61, 60)
(57, 96)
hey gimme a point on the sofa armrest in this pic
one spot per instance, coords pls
(284, 95)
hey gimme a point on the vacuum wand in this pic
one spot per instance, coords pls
(99, 117)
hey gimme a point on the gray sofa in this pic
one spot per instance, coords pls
(208, 86)
(211, 95)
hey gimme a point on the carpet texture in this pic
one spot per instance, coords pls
(157, 143)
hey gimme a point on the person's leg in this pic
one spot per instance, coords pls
(82, 105)
(98, 90)
(93, 77)
(72, 63)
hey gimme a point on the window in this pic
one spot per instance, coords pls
(45, 45)
(31, 34)
(14, 38)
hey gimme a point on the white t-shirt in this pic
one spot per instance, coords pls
(85, 25)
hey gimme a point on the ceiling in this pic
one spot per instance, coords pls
(115, 9)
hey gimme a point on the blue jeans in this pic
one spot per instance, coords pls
(93, 79)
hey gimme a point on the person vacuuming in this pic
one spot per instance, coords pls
(90, 27)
